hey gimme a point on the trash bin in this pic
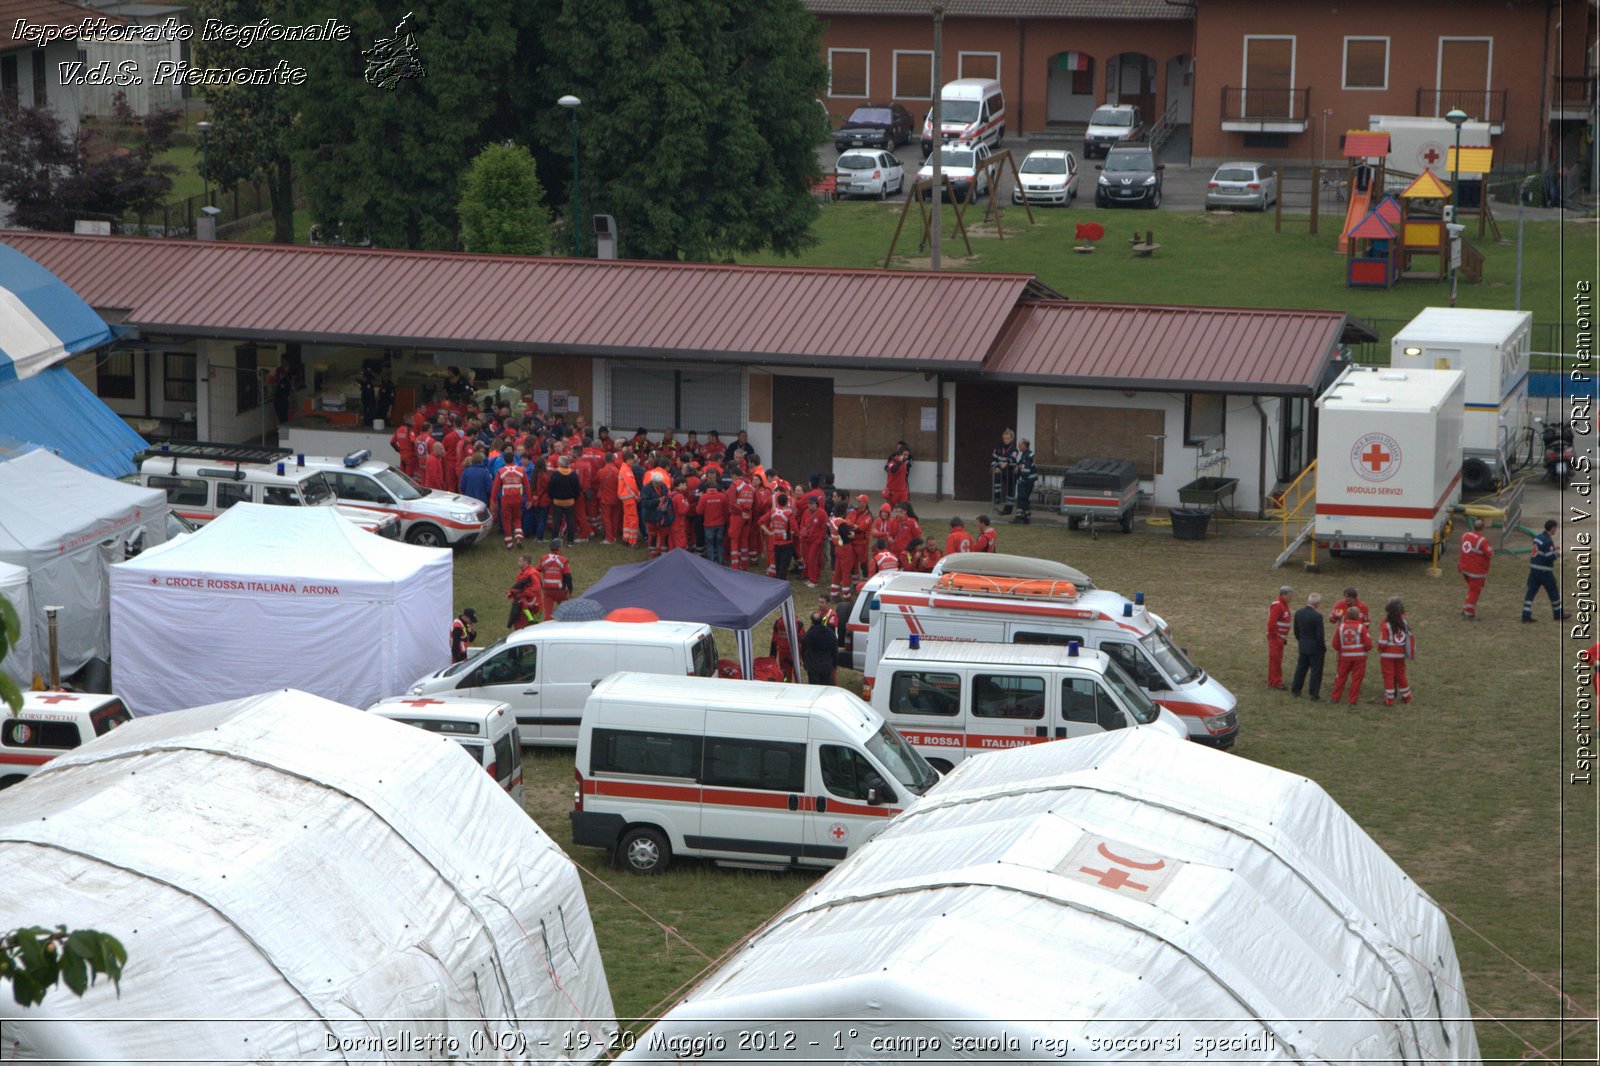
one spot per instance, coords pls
(1189, 523)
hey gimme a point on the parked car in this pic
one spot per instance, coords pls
(962, 164)
(432, 518)
(869, 172)
(1111, 125)
(1131, 174)
(877, 124)
(1049, 176)
(1243, 185)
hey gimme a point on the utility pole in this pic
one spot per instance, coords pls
(938, 133)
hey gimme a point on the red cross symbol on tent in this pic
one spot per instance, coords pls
(1115, 878)
(838, 832)
(56, 697)
(1376, 457)
(421, 703)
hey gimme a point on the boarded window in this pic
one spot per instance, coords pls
(114, 377)
(1065, 433)
(913, 75)
(978, 65)
(1366, 63)
(681, 396)
(848, 72)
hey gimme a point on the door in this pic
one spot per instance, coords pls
(1268, 76)
(570, 672)
(511, 676)
(839, 817)
(1087, 708)
(1007, 712)
(983, 411)
(802, 427)
(1464, 76)
(752, 789)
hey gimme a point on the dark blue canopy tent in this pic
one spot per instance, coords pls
(682, 587)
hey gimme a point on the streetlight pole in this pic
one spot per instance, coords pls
(572, 103)
(205, 170)
(937, 119)
(1456, 117)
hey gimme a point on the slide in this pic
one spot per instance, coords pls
(1353, 216)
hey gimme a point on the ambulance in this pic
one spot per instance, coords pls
(743, 772)
(51, 724)
(965, 607)
(485, 729)
(432, 518)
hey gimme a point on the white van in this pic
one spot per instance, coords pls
(970, 109)
(486, 729)
(738, 771)
(432, 518)
(1011, 611)
(954, 698)
(51, 724)
(546, 672)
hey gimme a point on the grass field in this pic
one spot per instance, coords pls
(1464, 788)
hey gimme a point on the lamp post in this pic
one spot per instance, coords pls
(572, 103)
(205, 172)
(936, 194)
(1455, 116)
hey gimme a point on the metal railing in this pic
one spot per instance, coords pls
(1481, 105)
(177, 219)
(1265, 105)
(1299, 510)
(1571, 94)
(1161, 131)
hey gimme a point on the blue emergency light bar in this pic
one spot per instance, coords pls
(356, 458)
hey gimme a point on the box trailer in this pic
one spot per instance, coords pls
(1388, 459)
(1491, 348)
(1417, 144)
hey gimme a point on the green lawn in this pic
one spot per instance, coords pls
(187, 181)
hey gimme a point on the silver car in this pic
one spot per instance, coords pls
(1243, 185)
(869, 172)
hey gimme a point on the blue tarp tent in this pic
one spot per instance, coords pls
(682, 587)
(42, 324)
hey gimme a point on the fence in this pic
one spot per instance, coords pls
(176, 219)
(1267, 105)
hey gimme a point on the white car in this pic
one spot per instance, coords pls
(429, 517)
(962, 164)
(1049, 176)
(868, 172)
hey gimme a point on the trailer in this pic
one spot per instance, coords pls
(1389, 459)
(1417, 144)
(1099, 490)
(1491, 348)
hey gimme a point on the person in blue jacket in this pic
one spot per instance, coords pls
(475, 479)
(1542, 573)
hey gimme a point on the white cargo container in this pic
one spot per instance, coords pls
(1388, 459)
(1491, 349)
(1418, 144)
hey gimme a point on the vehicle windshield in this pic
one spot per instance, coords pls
(1107, 116)
(1141, 706)
(960, 159)
(400, 486)
(871, 116)
(1234, 174)
(902, 760)
(1167, 655)
(316, 491)
(1044, 165)
(705, 657)
(962, 111)
(1129, 161)
(455, 669)
(857, 162)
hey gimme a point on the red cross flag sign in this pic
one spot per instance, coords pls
(1125, 869)
(1375, 457)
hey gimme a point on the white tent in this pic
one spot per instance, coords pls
(66, 526)
(266, 596)
(1119, 897)
(19, 659)
(297, 881)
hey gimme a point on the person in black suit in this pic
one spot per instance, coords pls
(1313, 643)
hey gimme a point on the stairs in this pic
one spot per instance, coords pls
(1298, 515)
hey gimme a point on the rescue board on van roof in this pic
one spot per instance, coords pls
(737, 771)
(911, 604)
(972, 110)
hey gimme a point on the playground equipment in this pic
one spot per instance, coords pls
(1365, 151)
(1086, 233)
(1422, 224)
(921, 191)
(1372, 247)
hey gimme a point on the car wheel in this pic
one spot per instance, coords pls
(426, 536)
(1155, 198)
(644, 851)
(883, 189)
(1126, 521)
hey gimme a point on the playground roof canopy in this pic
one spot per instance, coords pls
(1475, 159)
(1373, 227)
(1388, 209)
(1364, 144)
(1426, 187)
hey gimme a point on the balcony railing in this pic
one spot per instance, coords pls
(1265, 106)
(1481, 105)
(1572, 94)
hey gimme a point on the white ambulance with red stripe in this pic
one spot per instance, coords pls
(51, 724)
(747, 772)
(955, 698)
(485, 729)
(971, 110)
(432, 518)
(1020, 611)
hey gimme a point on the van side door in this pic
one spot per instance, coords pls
(1008, 711)
(926, 707)
(752, 788)
(571, 669)
(1087, 708)
(840, 817)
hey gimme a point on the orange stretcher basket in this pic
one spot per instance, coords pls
(1008, 586)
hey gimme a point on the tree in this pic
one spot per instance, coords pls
(251, 125)
(502, 203)
(699, 122)
(52, 179)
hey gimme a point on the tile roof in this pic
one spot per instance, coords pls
(1145, 10)
(1362, 144)
(43, 13)
(1192, 349)
(443, 300)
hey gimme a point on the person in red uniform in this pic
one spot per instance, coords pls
(903, 529)
(584, 465)
(959, 539)
(987, 537)
(860, 519)
(757, 533)
(1352, 641)
(463, 631)
(881, 530)
(400, 441)
(679, 537)
(1351, 599)
(1394, 648)
(780, 537)
(897, 473)
(555, 578)
(712, 507)
(1279, 623)
(1476, 553)
(840, 533)
(813, 535)
(882, 557)
(524, 594)
(421, 447)
(510, 495)
(433, 476)
(610, 503)
(923, 556)
(741, 513)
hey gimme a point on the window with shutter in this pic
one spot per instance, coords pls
(849, 72)
(1366, 62)
(913, 75)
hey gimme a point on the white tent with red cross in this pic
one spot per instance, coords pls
(1122, 897)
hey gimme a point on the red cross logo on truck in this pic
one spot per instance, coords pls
(1375, 457)
(55, 698)
(838, 832)
(422, 703)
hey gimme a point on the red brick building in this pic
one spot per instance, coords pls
(1277, 80)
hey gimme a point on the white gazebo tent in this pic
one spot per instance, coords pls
(1120, 897)
(267, 596)
(296, 880)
